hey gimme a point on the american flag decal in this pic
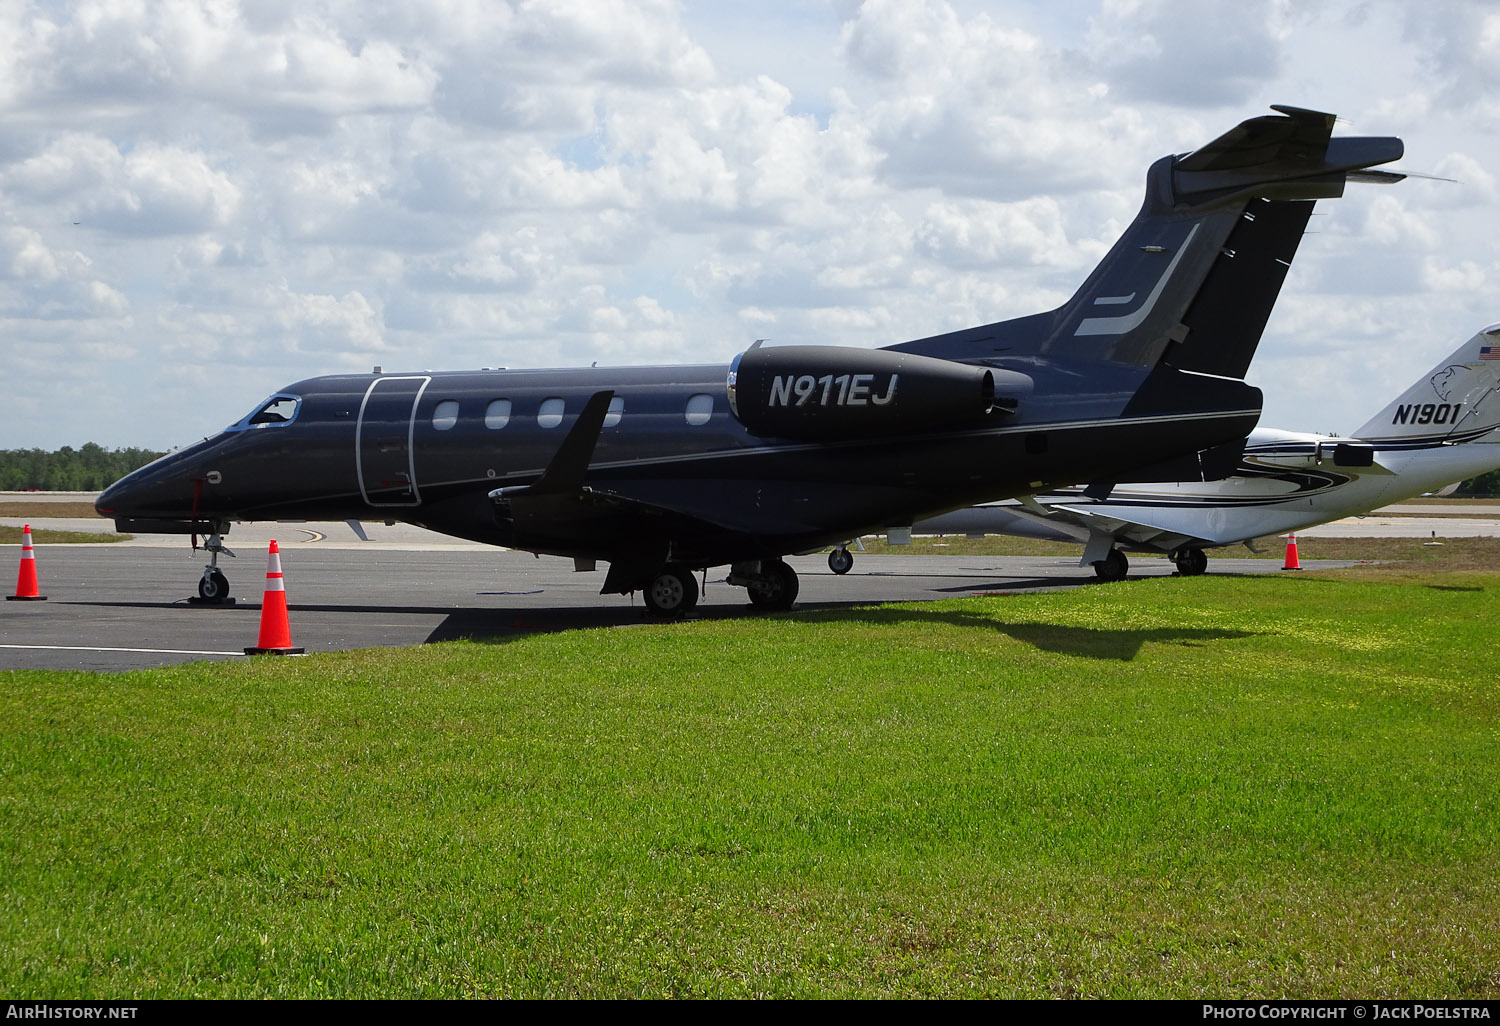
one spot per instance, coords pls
(1489, 352)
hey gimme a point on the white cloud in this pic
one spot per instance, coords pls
(110, 57)
(978, 233)
(977, 107)
(150, 190)
(24, 256)
(341, 324)
(1204, 54)
(71, 164)
(40, 283)
(1472, 184)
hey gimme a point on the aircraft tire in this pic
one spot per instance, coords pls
(673, 592)
(840, 560)
(1190, 562)
(213, 587)
(1113, 567)
(775, 589)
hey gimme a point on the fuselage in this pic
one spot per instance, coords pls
(431, 448)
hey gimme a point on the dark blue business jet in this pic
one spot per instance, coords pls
(662, 471)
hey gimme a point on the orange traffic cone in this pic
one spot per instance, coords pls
(26, 589)
(1291, 554)
(275, 629)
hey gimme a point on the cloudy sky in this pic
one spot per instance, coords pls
(204, 200)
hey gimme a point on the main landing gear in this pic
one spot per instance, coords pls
(1112, 567)
(213, 586)
(1190, 562)
(771, 583)
(673, 592)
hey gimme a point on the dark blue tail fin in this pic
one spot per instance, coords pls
(1191, 283)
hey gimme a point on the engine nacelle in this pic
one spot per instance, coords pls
(826, 393)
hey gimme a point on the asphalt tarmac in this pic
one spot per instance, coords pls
(125, 606)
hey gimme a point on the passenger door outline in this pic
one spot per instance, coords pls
(384, 456)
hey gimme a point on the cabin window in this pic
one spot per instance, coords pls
(550, 413)
(699, 408)
(497, 414)
(445, 415)
(615, 412)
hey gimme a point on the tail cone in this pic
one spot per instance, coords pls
(26, 586)
(275, 629)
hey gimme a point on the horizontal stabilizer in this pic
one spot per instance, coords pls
(1292, 157)
(1383, 177)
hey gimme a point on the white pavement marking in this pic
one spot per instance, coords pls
(96, 648)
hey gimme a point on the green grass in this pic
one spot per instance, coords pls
(1173, 787)
(12, 536)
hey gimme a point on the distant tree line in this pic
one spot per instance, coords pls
(91, 468)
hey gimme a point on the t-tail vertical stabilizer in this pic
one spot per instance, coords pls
(1184, 295)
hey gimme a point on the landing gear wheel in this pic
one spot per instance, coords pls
(213, 586)
(840, 560)
(673, 592)
(1112, 567)
(775, 588)
(1190, 562)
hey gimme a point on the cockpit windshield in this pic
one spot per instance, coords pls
(277, 411)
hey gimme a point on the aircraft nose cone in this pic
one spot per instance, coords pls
(106, 505)
(160, 489)
(133, 495)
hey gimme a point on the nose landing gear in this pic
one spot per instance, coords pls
(213, 586)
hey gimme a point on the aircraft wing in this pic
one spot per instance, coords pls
(1082, 522)
(636, 514)
(1277, 475)
(560, 505)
